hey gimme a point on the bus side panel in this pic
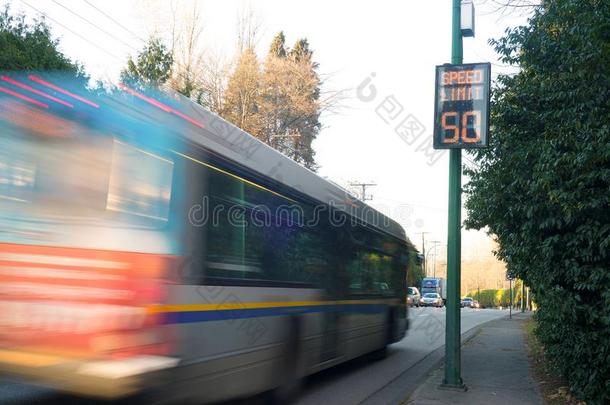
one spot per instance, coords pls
(226, 351)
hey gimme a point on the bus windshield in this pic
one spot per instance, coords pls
(81, 175)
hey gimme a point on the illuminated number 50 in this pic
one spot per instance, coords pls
(475, 126)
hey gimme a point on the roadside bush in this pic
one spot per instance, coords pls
(492, 298)
(487, 298)
(542, 187)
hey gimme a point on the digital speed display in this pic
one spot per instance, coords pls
(461, 111)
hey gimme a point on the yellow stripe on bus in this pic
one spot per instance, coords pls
(256, 305)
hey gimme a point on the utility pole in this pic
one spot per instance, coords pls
(453, 378)
(423, 252)
(364, 197)
(435, 243)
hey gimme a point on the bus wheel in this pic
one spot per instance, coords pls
(292, 380)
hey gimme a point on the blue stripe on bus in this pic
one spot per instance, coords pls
(228, 314)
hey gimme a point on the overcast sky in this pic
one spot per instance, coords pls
(395, 44)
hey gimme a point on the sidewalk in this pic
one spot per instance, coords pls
(495, 369)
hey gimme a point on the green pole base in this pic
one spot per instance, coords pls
(461, 387)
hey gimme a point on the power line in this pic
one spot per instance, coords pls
(116, 22)
(72, 31)
(183, 76)
(195, 81)
(192, 79)
(92, 24)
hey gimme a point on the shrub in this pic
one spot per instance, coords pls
(492, 298)
(542, 187)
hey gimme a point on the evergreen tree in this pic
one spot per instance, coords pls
(242, 97)
(278, 104)
(152, 67)
(305, 117)
(289, 107)
(301, 52)
(274, 103)
(31, 46)
(278, 45)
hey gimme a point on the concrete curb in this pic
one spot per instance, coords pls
(399, 390)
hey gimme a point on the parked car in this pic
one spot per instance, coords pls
(467, 302)
(431, 300)
(475, 304)
(413, 296)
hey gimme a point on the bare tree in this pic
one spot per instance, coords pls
(241, 101)
(249, 27)
(504, 7)
(515, 3)
(280, 104)
(212, 82)
(186, 30)
(332, 101)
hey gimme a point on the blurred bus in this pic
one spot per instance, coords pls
(147, 245)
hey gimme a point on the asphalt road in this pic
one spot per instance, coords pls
(360, 381)
(363, 381)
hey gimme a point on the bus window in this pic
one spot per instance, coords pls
(257, 234)
(373, 262)
(369, 273)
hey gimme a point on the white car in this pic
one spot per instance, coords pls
(431, 300)
(413, 297)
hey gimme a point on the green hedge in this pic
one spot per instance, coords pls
(492, 298)
(542, 187)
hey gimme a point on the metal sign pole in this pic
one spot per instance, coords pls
(461, 121)
(453, 377)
